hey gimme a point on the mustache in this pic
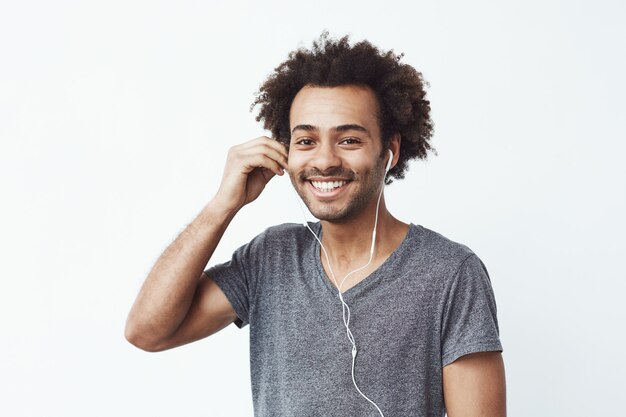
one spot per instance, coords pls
(332, 172)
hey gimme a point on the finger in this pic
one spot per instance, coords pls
(279, 146)
(267, 174)
(271, 152)
(278, 153)
(269, 142)
(259, 160)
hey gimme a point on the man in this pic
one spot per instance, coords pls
(342, 322)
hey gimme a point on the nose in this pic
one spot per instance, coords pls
(326, 157)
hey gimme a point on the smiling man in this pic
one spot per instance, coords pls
(359, 314)
(335, 141)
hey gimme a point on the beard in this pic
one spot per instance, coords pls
(364, 188)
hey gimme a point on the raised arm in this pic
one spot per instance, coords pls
(177, 303)
(474, 386)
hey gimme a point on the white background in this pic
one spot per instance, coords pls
(115, 118)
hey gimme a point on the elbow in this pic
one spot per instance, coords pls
(138, 339)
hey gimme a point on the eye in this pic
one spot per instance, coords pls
(304, 141)
(351, 141)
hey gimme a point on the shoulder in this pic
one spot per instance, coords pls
(436, 254)
(439, 247)
(281, 237)
(289, 231)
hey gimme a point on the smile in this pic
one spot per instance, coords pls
(328, 186)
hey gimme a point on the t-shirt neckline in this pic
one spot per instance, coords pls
(371, 279)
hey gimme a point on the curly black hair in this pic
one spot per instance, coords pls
(399, 89)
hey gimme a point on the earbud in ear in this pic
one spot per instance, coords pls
(389, 162)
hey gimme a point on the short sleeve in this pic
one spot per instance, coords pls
(469, 322)
(235, 279)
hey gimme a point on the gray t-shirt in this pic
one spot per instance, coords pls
(428, 304)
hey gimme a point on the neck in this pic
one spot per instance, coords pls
(348, 243)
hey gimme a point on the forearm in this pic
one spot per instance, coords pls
(168, 290)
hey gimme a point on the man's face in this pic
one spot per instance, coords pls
(335, 161)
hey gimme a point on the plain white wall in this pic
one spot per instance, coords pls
(115, 118)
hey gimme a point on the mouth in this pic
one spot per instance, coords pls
(328, 186)
(326, 189)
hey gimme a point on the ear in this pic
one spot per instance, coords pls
(394, 145)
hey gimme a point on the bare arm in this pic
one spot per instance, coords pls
(167, 293)
(474, 386)
(177, 303)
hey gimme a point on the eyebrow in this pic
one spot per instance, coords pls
(336, 129)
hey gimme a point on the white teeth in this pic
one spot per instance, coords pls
(327, 185)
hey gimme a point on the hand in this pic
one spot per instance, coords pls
(249, 167)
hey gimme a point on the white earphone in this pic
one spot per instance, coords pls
(390, 161)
